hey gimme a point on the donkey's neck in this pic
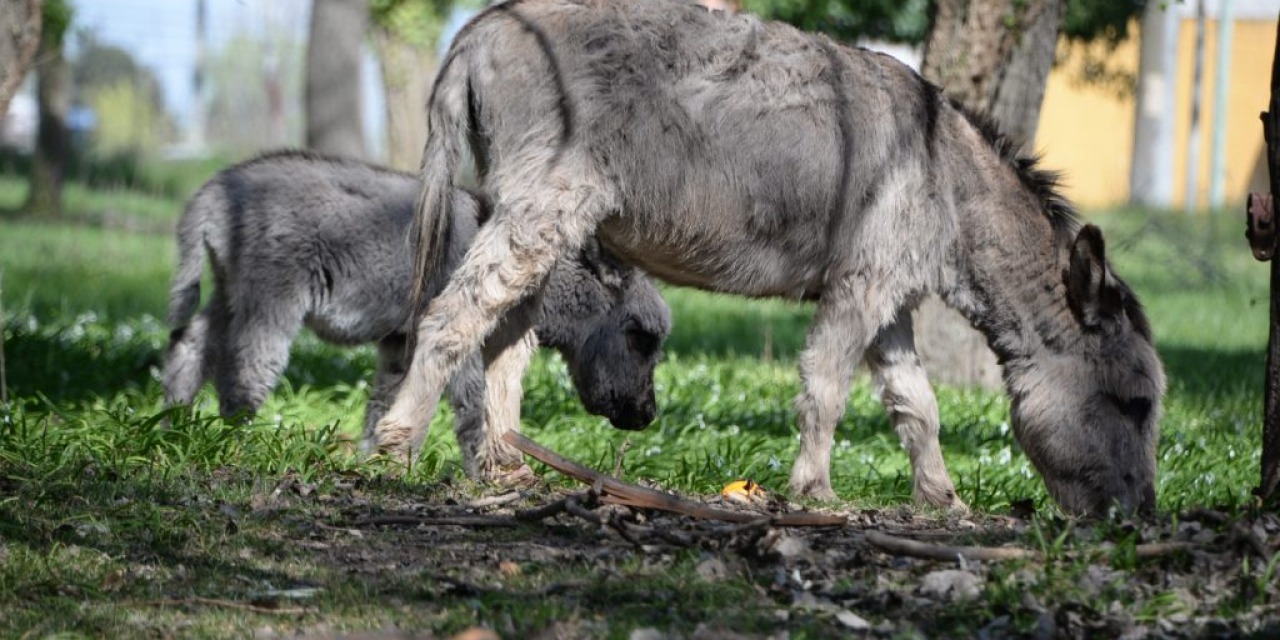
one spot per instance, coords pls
(1010, 283)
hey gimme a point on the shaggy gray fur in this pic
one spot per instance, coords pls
(298, 239)
(730, 154)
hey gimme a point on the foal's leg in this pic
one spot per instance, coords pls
(255, 353)
(536, 222)
(908, 398)
(467, 395)
(840, 333)
(186, 360)
(392, 363)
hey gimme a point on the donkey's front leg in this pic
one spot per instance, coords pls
(506, 356)
(835, 344)
(510, 258)
(908, 398)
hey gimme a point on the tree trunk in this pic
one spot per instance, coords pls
(19, 40)
(53, 141)
(407, 70)
(1151, 171)
(993, 56)
(334, 123)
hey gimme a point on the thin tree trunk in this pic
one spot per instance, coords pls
(993, 56)
(53, 141)
(407, 70)
(19, 39)
(334, 123)
(1151, 171)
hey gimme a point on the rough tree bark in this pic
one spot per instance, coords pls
(332, 101)
(19, 39)
(407, 70)
(993, 56)
(53, 140)
(1269, 489)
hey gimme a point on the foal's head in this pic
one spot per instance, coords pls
(1088, 413)
(609, 321)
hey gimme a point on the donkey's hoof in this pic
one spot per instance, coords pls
(941, 497)
(813, 490)
(521, 476)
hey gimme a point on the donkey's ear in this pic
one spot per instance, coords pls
(1090, 290)
(603, 264)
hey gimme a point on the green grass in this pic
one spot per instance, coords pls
(82, 306)
(105, 206)
(105, 516)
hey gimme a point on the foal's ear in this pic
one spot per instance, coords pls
(1092, 294)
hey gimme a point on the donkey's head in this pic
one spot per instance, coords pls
(1087, 411)
(609, 322)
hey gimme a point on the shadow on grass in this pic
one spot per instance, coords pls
(1206, 374)
(73, 367)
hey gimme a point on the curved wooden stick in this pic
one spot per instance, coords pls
(947, 553)
(615, 491)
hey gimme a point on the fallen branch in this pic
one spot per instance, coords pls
(948, 553)
(461, 521)
(615, 491)
(945, 552)
(495, 501)
(229, 604)
(545, 511)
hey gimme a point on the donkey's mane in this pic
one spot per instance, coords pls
(1043, 183)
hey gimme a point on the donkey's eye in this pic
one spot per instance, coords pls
(1135, 409)
(641, 341)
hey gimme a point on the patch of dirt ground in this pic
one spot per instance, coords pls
(604, 570)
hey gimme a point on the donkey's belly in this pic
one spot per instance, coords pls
(727, 263)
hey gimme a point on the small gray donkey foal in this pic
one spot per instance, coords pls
(732, 154)
(300, 239)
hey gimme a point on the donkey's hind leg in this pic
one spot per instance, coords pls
(908, 398)
(840, 333)
(538, 222)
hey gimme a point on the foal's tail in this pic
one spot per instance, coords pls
(448, 123)
(184, 290)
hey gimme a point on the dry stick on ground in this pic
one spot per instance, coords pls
(495, 501)
(460, 520)
(614, 491)
(230, 604)
(948, 553)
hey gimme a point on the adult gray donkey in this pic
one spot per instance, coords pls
(300, 239)
(730, 154)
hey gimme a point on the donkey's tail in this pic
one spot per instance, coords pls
(448, 123)
(184, 290)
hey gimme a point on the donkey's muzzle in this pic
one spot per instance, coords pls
(633, 417)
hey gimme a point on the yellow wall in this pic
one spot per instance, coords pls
(1087, 131)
